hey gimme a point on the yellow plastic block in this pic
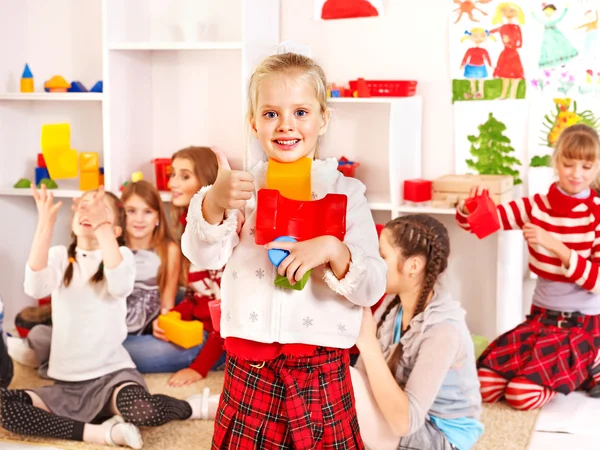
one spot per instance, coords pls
(88, 162)
(88, 181)
(186, 334)
(26, 84)
(292, 180)
(60, 159)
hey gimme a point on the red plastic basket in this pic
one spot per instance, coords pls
(389, 88)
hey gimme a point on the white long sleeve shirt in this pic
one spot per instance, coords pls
(327, 311)
(88, 320)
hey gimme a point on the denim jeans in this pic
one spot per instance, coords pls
(152, 355)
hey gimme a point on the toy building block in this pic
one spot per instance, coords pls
(214, 307)
(40, 174)
(41, 162)
(98, 87)
(276, 256)
(292, 180)
(279, 216)
(101, 176)
(50, 184)
(483, 217)
(23, 183)
(88, 161)
(283, 282)
(457, 187)
(57, 84)
(417, 190)
(162, 170)
(137, 176)
(27, 80)
(89, 181)
(77, 86)
(89, 175)
(362, 90)
(60, 159)
(185, 333)
(348, 168)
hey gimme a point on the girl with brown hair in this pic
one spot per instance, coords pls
(415, 382)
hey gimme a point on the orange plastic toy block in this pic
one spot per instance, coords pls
(186, 334)
(483, 217)
(292, 180)
(88, 181)
(88, 162)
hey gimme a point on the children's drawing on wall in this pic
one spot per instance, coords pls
(591, 51)
(347, 9)
(565, 115)
(490, 67)
(468, 8)
(556, 49)
(474, 62)
(490, 138)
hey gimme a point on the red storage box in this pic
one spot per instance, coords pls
(388, 88)
(417, 191)
(162, 167)
(348, 168)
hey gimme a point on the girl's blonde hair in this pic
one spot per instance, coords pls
(498, 15)
(468, 34)
(162, 236)
(119, 213)
(289, 63)
(206, 168)
(579, 142)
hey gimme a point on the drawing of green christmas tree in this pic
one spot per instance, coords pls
(491, 151)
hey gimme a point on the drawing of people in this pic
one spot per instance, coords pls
(591, 49)
(509, 67)
(556, 48)
(474, 61)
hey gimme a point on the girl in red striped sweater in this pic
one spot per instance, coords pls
(556, 348)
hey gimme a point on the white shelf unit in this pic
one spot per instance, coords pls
(174, 75)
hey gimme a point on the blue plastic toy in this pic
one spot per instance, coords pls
(276, 255)
(27, 72)
(40, 174)
(97, 87)
(77, 86)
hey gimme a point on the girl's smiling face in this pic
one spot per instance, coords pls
(141, 218)
(183, 183)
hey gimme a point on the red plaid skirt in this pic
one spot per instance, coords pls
(290, 402)
(551, 349)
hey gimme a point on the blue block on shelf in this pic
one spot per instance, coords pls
(40, 173)
(77, 86)
(27, 72)
(97, 87)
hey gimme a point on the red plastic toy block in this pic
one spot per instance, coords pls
(41, 162)
(483, 217)
(417, 190)
(279, 216)
(162, 167)
(347, 167)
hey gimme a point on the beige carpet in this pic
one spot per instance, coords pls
(505, 428)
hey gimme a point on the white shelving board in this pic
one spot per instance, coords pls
(53, 96)
(176, 46)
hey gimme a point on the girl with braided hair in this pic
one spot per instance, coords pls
(415, 383)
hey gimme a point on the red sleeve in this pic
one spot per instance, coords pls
(518, 40)
(209, 355)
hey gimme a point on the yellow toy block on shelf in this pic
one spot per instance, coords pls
(88, 181)
(60, 159)
(292, 180)
(89, 162)
(186, 334)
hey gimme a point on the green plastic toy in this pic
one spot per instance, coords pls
(50, 184)
(23, 183)
(283, 282)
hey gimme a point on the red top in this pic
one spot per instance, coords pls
(509, 62)
(476, 56)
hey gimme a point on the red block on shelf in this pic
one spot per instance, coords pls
(279, 216)
(348, 168)
(417, 190)
(41, 162)
(162, 168)
(388, 88)
(483, 217)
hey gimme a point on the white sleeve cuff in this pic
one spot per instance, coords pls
(204, 230)
(573, 261)
(354, 277)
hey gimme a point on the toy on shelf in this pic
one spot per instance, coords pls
(347, 167)
(89, 173)
(135, 176)
(101, 176)
(483, 216)
(60, 158)
(77, 86)
(57, 84)
(23, 183)
(50, 184)
(452, 189)
(98, 87)
(292, 220)
(27, 80)
(40, 174)
(162, 170)
(185, 333)
(387, 88)
(417, 190)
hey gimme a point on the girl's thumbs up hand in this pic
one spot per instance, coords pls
(233, 188)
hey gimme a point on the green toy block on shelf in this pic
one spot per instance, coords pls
(23, 183)
(283, 282)
(50, 184)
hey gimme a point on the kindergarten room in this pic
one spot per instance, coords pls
(422, 178)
